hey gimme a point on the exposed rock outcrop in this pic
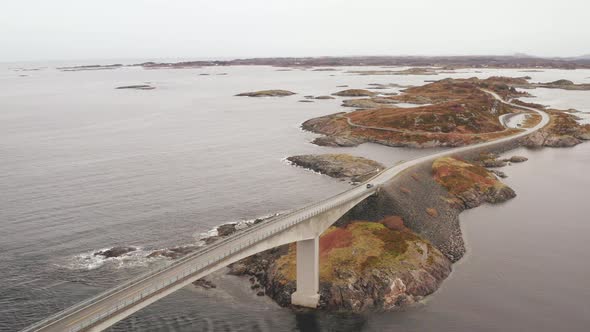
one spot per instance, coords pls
(204, 283)
(517, 159)
(337, 141)
(562, 131)
(115, 252)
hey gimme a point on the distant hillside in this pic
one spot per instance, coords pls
(466, 61)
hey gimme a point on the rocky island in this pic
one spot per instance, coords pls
(341, 166)
(454, 112)
(363, 265)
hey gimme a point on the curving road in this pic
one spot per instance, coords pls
(111, 306)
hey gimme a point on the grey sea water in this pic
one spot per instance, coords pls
(84, 167)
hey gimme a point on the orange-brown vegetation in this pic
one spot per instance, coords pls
(362, 246)
(458, 113)
(395, 223)
(531, 120)
(432, 212)
(459, 176)
(335, 238)
(469, 183)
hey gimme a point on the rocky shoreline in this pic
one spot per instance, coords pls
(387, 253)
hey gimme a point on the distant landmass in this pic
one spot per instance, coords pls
(518, 60)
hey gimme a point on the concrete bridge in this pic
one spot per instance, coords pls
(303, 226)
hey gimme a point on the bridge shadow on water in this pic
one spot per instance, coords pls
(312, 321)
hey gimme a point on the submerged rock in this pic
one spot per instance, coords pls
(499, 174)
(176, 252)
(204, 283)
(517, 159)
(490, 160)
(492, 163)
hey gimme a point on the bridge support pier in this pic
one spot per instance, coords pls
(308, 274)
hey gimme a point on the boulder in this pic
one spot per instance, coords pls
(517, 159)
(226, 229)
(115, 252)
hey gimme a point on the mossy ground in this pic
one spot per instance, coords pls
(359, 248)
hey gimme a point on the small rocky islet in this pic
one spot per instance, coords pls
(136, 87)
(363, 266)
(341, 166)
(354, 93)
(267, 93)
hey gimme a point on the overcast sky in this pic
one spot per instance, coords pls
(110, 29)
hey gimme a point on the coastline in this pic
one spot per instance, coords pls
(445, 234)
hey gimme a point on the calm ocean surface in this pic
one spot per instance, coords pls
(85, 167)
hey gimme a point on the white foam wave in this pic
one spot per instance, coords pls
(90, 261)
(240, 224)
